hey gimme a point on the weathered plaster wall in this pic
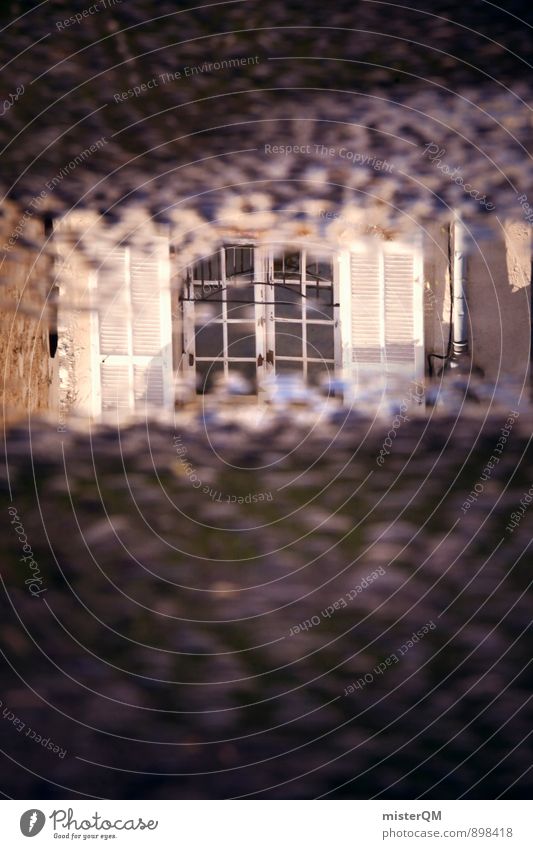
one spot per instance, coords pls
(498, 296)
(76, 315)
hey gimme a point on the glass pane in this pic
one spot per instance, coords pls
(319, 372)
(208, 268)
(209, 340)
(241, 339)
(288, 339)
(247, 371)
(319, 302)
(325, 269)
(207, 374)
(288, 301)
(209, 291)
(320, 341)
(239, 261)
(317, 268)
(288, 367)
(208, 304)
(287, 264)
(236, 295)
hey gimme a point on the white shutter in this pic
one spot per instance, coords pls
(145, 299)
(114, 331)
(399, 277)
(115, 387)
(387, 316)
(113, 308)
(152, 327)
(366, 307)
(148, 385)
(135, 329)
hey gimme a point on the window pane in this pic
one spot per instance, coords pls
(288, 339)
(287, 264)
(208, 268)
(288, 301)
(236, 294)
(319, 302)
(287, 367)
(208, 303)
(318, 268)
(241, 339)
(207, 374)
(209, 340)
(317, 372)
(208, 292)
(248, 371)
(239, 261)
(320, 341)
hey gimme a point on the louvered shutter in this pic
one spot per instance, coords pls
(399, 290)
(387, 316)
(114, 331)
(113, 304)
(115, 383)
(135, 331)
(366, 309)
(151, 327)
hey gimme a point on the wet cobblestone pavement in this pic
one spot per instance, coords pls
(360, 633)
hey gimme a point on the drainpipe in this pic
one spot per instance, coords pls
(460, 355)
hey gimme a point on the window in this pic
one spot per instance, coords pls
(303, 314)
(254, 310)
(220, 316)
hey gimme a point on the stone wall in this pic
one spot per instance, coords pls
(29, 380)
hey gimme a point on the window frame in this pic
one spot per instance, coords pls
(265, 317)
